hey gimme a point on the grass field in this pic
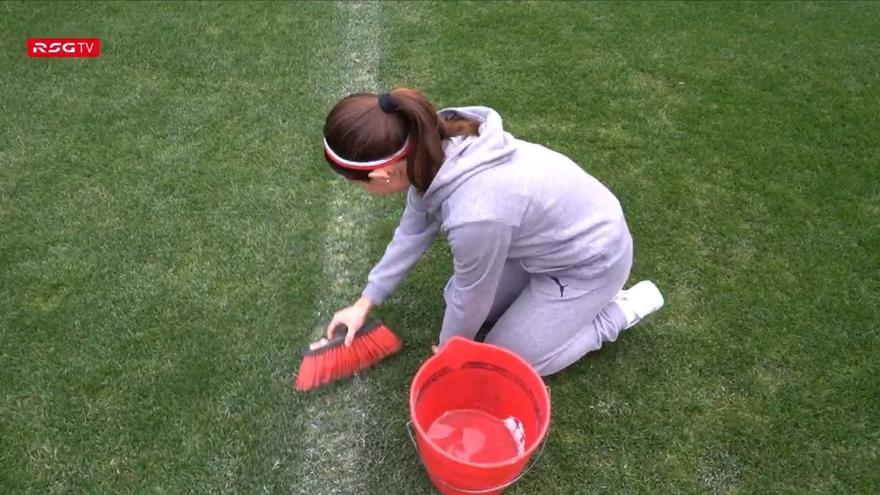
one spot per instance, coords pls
(170, 238)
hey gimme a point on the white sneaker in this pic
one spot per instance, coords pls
(639, 301)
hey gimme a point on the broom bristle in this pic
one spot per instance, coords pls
(333, 361)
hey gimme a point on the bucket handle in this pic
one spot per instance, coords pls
(535, 458)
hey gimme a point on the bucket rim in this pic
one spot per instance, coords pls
(527, 453)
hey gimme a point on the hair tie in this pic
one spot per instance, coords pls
(387, 104)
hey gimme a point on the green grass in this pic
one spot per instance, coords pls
(163, 212)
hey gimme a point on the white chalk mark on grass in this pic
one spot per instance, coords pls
(334, 442)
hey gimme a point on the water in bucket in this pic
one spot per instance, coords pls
(474, 436)
(478, 413)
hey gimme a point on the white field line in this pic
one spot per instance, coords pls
(334, 441)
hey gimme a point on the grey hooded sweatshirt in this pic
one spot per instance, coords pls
(499, 199)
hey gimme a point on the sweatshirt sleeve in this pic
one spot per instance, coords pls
(479, 251)
(411, 238)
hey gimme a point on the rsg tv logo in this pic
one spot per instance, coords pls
(63, 47)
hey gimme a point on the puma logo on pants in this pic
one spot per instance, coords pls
(561, 287)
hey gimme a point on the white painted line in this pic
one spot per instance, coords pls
(334, 441)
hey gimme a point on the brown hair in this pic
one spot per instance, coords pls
(358, 129)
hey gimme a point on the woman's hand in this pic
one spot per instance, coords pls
(352, 317)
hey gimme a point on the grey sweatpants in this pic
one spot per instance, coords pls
(554, 320)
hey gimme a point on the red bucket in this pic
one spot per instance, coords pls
(469, 379)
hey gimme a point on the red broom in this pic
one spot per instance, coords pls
(326, 361)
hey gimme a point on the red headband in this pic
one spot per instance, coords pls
(365, 166)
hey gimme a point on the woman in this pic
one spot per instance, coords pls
(541, 249)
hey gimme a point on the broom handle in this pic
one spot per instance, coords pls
(339, 333)
(341, 330)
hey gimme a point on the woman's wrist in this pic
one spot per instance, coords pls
(364, 304)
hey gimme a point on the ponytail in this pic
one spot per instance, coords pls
(426, 156)
(364, 127)
(426, 134)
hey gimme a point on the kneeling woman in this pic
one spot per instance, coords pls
(541, 249)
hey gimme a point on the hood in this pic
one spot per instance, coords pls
(468, 156)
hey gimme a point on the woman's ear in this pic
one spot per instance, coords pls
(380, 174)
(392, 172)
